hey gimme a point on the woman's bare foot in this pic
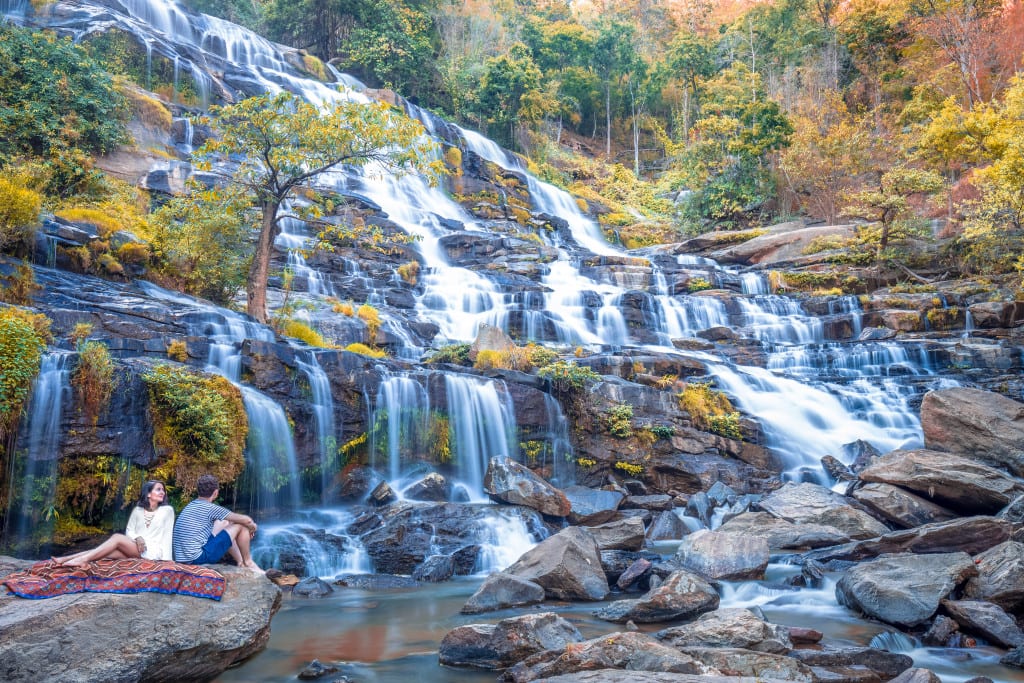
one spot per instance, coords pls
(57, 560)
(75, 562)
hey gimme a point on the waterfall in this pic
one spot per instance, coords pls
(323, 414)
(32, 488)
(483, 425)
(400, 422)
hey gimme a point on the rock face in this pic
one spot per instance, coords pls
(783, 535)
(509, 482)
(622, 534)
(810, 503)
(735, 627)
(192, 639)
(901, 508)
(904, 590)
(987, 620)
(722, 555)
(592, 506)
(567, 565)
(496, 646)
(1000, 577)
(682, 595)
(977, 424)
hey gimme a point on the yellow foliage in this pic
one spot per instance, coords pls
(453, 158)
(703, 404)
(488, 359)
(314, 66)
(18, 287)
(133, 252)
(345, 308)
(177, 350)
(303, 332)
(102, 220)
(149, 110)
(409, 272)
(629, 468)
(109, 264)
(19, 210)
(364, 350)
(369, 315)
(586, 462)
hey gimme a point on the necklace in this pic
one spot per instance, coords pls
(148, 516)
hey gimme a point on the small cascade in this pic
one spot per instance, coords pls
(318, 538)
(558, 452)
(483, 426)
(400, 424)
(773, 318)
(968, 323)
(323, 413)
(272, 472)
(507, 538)
(754, 283)
(33, 479)
(293, 238)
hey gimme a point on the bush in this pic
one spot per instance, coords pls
(177, 350)
(409, 272)
(199, 424)
(488, 359)
(369, 315)
(567, 377)
(344, 308)
(455, 354)
(364, 350)
(18, 287)
(93, 378)
(19, 211)
(710, 410)
(698, 284)
(303, 332)
(619, 420)
(21, 351)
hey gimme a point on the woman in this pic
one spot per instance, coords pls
(149, 532)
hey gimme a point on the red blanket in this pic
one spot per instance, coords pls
(48, 579)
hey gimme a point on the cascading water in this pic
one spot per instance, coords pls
(323, 413)
(483, 426)
(33, 475)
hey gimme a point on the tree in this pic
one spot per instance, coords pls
(888, 204)
(614, 58)
(275, 148)
(510, 91)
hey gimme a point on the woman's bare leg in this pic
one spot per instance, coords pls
(117, 547)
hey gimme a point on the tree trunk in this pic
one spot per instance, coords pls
(259, 271)
(608, 121)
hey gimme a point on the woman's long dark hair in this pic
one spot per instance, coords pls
(143, 501)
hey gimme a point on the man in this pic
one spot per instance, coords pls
(204, 532)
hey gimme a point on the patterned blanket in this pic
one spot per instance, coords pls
(49, 579)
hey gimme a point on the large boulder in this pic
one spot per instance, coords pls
(733, 627)
(958, 483)
(783, 535)
(510, 482)
(98, 633)
(497, 646)
(567, 565)
(814, 504)
(904, 590)
(723, 555)
(628, 676)
(667, 526)
(977, 424)
(501, 590)
(592, 506)
(682, 595)
(882, 663)
(1000, 578)
(622, 534)
(987, 620)
(750, 663)
(629, 651)
(901, 508)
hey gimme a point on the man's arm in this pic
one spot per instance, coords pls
(244, 520)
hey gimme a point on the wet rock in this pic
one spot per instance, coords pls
(312, 587)
(960, 484)
(916, 676)
(497, 646)
(876, 334)
(904, 590)
(667, 526)
(1000, 577)
(967, 534)
(435, 568)
(721, 494)
(1014, 511)
(633, 573)
(591, 506)
(315, 670)
(749, 663)
(197, 639)
(734, 627)
(885, 664)
(837, 470)
(699, 506)
(987, 620)
(657, 501)
(976, 424)
(783, 535)
(901, 508)
(799, 635)
(941, 631)
(616, 562)
(510, 482)
(382, 494)
(723, 555)
(622, 534)
(357, 485)
(365, 522)
(432, 487)
(627, 676)
(1014, 658)
(501, 590)
(626, 650)
(810, 503)
(859, 454)
(567, 565)
(376, 582)
(682, 595)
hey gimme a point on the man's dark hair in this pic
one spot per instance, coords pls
(206, 485)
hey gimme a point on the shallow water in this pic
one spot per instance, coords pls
(393, 636)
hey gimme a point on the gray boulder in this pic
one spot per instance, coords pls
(977, 424)
(497, 646)
(783, 535)
(622, 534)
(723, 555)
(987, 620)
(682, 595)
(627, 676)
(916, 676)
(1000, 577)
(592, 506)
(433, 487)
(435, 569)
(960, 484)
(501, 590)
(510, 482)
(901, 508)
(667, 526)
(734, 627)
(567, 565)
(312, 587)
(808, 503)
(904, 590)
(880, 662)
(750, 663)
(198, 638)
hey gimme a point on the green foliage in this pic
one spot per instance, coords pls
(456, 354)
(93, 378)
(58, 105)
(21, 350)
(663, 432)
(888, 204)
(199, 426)
(698, 284)
(727, 425)
(567, 377)
(123, 54)
(619, 420)
(19, 209)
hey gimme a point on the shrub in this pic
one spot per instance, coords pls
(369, 315)
(21, 351)
(80, 332)
(297, 329)
(133, 253)
(177, 350)
(18, 287)
(586, 462)
(516, 358)
(698, 284)
(710, 410)
(619, 420)
(453, 159)
(345, 308)
(109, 264)
(488, 359)
(663, 432)
(364, 350)
(19, 211)
(629, 468)
(455, 354)
(568, 377)
(199, 424)
(409, 272)
(93, 378)
(541, 355)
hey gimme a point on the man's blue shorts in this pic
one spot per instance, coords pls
(216, 547)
